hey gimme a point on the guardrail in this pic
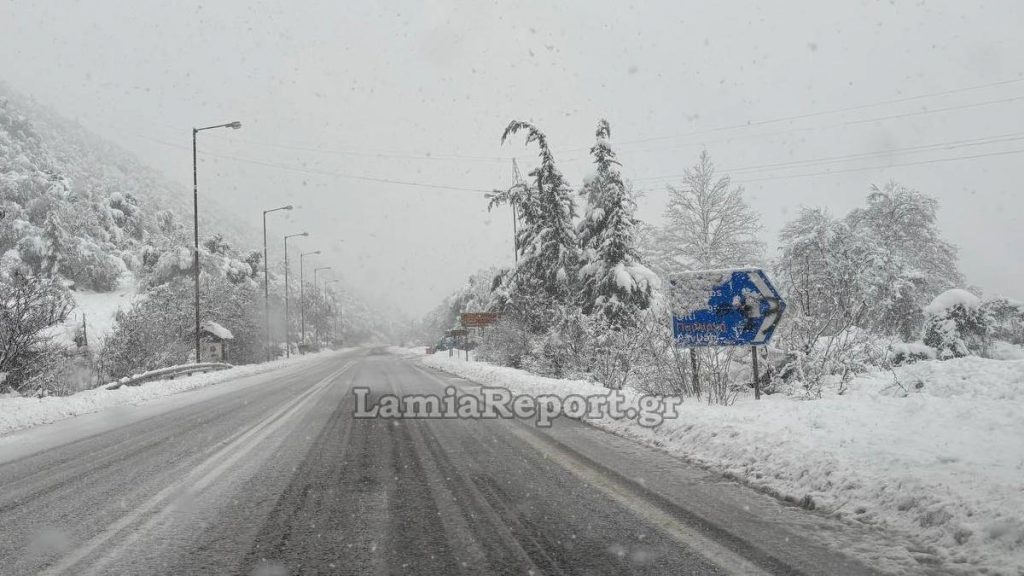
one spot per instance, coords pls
(169, 373)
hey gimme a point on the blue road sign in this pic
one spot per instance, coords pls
(724, 308)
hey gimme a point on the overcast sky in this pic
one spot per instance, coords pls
(421, 91)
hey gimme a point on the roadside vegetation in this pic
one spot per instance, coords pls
(84, 225)
(869, 290)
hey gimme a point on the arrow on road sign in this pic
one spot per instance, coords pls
(724, 308)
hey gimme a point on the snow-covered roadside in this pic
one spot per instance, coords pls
(17, 412)
(942, 462)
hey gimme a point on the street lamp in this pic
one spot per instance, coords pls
(302, 295)
(335, 311)
(266, 278)
(315, 289)
(287, 338)
(195, 217)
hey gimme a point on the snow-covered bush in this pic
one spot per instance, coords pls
(158, 330)
(506, 343)
(1007, 318)
(28, 307)
(901, 353)
(828, 356)
(92, 267)
(957, 325)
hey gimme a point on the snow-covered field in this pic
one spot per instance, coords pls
(938, 456)
(97, 311)
(17, 412)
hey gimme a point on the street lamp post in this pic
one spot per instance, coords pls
(334, 313)
(195, 218)
(287, 337)
(266, 279)
(302, 296)
(315, 289)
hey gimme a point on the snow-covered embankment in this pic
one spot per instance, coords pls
(934, 450)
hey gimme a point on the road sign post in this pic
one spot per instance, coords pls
(716, 308)
(757, 378)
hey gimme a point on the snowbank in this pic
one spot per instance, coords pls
(950, 298)
(99, 309)
(18, 412)
(934, 450)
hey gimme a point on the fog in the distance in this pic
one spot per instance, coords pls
(419, 92)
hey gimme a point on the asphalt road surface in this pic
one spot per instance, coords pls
(272, 475)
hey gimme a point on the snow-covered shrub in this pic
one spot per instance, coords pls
(1003, 350)
(158, 330)
(825, 356)
(901, 353)
(957, 325)
(173, 263)
(154, 333)
(657, 366)
(615, 355)
(59, 374)
(29, 306)
(1007, 318)
(236, 271)
(91, 266)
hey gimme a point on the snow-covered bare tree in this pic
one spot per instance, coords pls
(614, 282)
(826, 270)
(708, 223)
(29, 305)
(915, 262)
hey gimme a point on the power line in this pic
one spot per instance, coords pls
(1012, 137)
(753, 123)
(844, 124)
(370, 153)
(885, 167)
(318, 172)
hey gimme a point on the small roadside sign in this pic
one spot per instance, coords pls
(478, 319)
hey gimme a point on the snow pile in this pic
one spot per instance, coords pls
(951, 298)
(217, 330)
(17, 412)
(933, 450)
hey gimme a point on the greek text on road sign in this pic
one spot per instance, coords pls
(724, 308)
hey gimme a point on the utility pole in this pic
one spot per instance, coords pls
(195, 219)
(517, 180)
(287, 315)
(316, 293)
(302, 296)
(266, 280)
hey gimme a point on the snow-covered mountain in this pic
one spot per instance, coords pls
(88, 214)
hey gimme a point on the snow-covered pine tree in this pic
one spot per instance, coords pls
(56, 245)
(615, 284)
(548, 246)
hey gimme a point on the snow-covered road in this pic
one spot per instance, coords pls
(271, 474)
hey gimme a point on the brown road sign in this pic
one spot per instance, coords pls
(478, 319)
(458, 332)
